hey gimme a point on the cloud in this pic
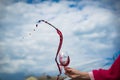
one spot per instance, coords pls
(89, 30)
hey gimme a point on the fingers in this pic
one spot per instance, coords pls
(72, 73)
(68, 70)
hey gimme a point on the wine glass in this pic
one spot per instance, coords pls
(64, 60)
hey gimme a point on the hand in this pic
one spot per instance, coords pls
(72, 73)
(75, 74)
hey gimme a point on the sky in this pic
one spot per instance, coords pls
(90, 35)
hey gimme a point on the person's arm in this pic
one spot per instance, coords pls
(111, 74)
(76, 75)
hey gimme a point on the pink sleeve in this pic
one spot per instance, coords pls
(91, 76)
(111, 74)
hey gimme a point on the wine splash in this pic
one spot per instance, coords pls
(59, 46)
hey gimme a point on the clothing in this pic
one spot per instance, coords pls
(91, 76)
(113, 73)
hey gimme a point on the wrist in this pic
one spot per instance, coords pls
(84, 75)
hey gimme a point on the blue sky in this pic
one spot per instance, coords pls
(90, 28)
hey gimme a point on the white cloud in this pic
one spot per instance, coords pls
(92, 21)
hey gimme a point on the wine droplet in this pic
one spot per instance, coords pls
(36, 25)
(29, 33)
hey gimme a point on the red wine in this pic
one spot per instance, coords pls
(65, 63)
(59, 46)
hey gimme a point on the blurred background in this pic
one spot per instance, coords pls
(90, 29)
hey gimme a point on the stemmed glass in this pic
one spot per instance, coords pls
(64, 60)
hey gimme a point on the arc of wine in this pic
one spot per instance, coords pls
(59, 46)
